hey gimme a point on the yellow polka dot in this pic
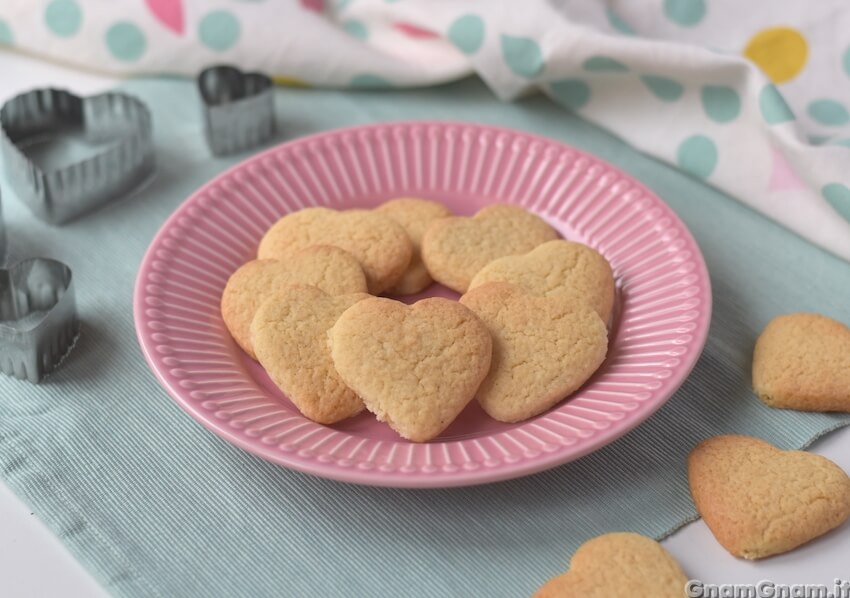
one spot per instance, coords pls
(780, 52)
(288, 81)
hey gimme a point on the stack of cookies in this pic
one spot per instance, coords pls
(529, 329)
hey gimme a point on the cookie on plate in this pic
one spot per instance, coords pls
(329, 268)
(377, 241)
(802, 361)
(557, 268)
(415, 366)
(759, 500)
(289, 333)
(455, 249)
(415, 216)
(618, 565)
(544, 349)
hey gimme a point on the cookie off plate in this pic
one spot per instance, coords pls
(657, 333)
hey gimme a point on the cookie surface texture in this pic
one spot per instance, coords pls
(375, 240)
(455, 249)
(415, 216)
(289, 334)
(544, 348)
(416, 367)
(557, 268)
(802, 361)
(618, 565)
(329, 268)
(758, 500)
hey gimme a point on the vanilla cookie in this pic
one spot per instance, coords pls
(802, 361)
(544, 349)
(415, 367)
(759, 501)
(557, 268)
(377, 241)
(415, 216)
(455, 249)
(618, 565)
(289, 333)
(329, 268)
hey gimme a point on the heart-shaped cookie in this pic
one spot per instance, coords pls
(415, 216)
(618, 565)
(239, 108)
(120, 123)
(415, 367)
(38, 318)
(802, 361)
(290, 336)
(455, 249)
(759, 501)
(544, 349)
(377, 241)
(557, 268)
(325, 267)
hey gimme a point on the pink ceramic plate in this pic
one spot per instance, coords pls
(659, 330)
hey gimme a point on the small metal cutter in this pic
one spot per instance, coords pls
(239, 109)
(3, 242)
(120, 122)
(38, 318)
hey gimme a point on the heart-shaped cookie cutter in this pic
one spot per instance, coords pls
(38, 318)
(3, 242)
(61, 194)
(238, 108)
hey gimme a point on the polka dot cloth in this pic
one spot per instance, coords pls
(755, 102)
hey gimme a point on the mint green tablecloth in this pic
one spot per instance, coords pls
(154, 505)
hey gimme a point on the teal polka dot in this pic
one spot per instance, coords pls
(603, 64)
(829, 112)
(367, 80)
(572, 93)
(356, 29)
(126, 42)
(617, 23)
(522, 55)
(720, 103)
(846, 62)
(838, 196)
(686, 13)
(666, 90)
(697, 155)
(6, 37)
(818, 139)
(219, 30)
(773, 107)
(467, 33)
(63, 17)
(844, 142)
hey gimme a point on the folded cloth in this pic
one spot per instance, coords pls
(753, 100)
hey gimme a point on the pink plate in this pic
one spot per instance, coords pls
(659, 330)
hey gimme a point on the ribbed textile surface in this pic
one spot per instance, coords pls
(154, 505)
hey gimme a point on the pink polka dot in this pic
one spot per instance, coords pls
(413, 31)
(169, 13)
(314, 5)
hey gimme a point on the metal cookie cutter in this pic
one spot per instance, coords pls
(239, 109)
(3, 242)
(120, 121)
(38, 318)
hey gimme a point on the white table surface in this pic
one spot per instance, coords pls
(33, 563)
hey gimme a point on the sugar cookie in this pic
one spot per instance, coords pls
(455, 249)
(377, 241)
(759, 501)
(544, 349)
(289, 334)
(416, 367)
(328, 268)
